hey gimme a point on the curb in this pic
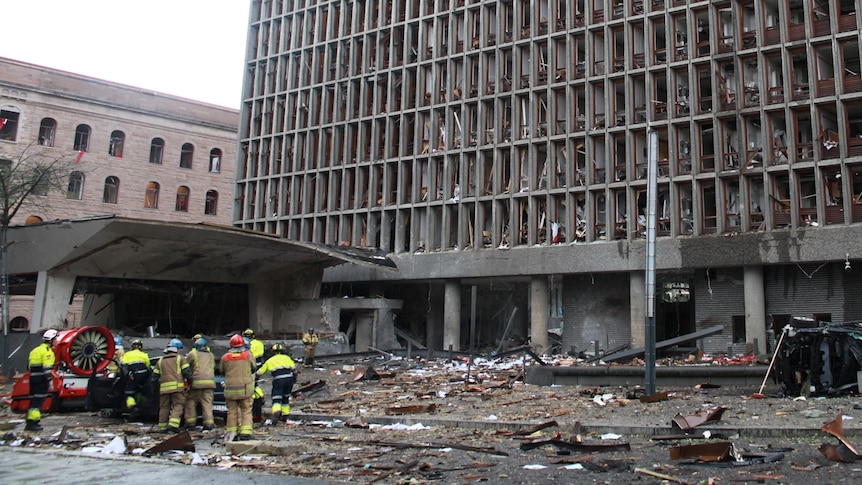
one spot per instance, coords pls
(626, 430)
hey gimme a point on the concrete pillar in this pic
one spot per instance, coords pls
(262, 307)
(637, 306)
(755, 306)
(364, 331)
(539, 313)
(51, 302)
(452, 315)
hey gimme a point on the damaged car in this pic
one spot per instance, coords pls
(816, 358)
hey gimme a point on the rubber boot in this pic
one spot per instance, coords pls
(276, 416)
(32, 426)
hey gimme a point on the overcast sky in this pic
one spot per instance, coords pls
(189, 48)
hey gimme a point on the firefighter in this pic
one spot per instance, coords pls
(237, 366)
(255, 345)
(171, 371)
(200, 335)
(282, 368)
(201, 388)
(137, 367)
(118, 355)
(309, 339)
(41, 364)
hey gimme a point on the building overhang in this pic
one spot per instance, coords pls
(116, 247)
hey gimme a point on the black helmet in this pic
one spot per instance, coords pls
(278, 348)
(137, 344)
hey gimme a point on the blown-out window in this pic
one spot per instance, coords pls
(76, 186)
(186, 154)
(111, 190)
(115, 146)
(47, 130)
(215, 160)
(157, 150)
(211, 204)
(151, 197)
(9, 116)
(82, 138)
(182, 199)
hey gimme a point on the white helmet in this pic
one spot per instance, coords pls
(49, 334)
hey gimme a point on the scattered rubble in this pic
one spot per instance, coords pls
(415, 420)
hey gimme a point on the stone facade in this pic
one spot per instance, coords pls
(38, 94)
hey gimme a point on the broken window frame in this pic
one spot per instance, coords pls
(151, 195)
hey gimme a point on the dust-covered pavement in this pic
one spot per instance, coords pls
(418, 421)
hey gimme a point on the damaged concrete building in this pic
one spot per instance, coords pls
(497, 149)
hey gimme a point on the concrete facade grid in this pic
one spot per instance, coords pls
(445, 132)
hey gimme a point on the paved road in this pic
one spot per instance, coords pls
(59, 467)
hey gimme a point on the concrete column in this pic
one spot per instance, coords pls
(262, 307)
(51, 302)
(539, 313)
(637, 306)
(452, 315)
(755, 306)
(364, 331)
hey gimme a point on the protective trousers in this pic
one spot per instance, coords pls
(171, 410)
(38, 394)
(239, 416)
(205, 398)
(281, 388)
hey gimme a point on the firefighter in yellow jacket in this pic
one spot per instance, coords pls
(136, 364)
(172, 371)
(202, 386)
(41, 363)
(282, 368)
(309, 339)
(255, 346)
(237, 366)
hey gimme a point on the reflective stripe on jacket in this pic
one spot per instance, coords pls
(202, 363)
(238, 369)
(41, 360)
(280, 365)
(170, 368)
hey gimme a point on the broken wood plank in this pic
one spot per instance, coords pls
(569, 445)
(412, 409)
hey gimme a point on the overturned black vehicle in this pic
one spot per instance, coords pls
(819, 358)
(106, 395)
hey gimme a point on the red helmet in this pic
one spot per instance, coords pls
(237, 341)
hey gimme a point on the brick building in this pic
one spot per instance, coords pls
(502, 145)
(142, 154)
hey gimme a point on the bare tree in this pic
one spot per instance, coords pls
(25, 177)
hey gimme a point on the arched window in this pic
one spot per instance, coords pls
(82, 138)
(151, 198)
(33, 220)
(19, 324)
(182, 199)
(115, 147)
(112, 190)
(157, 149)
(47, 130)
(186, 154)
(76, 186)
(9, 116)
(211, 203)
(215, 160)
